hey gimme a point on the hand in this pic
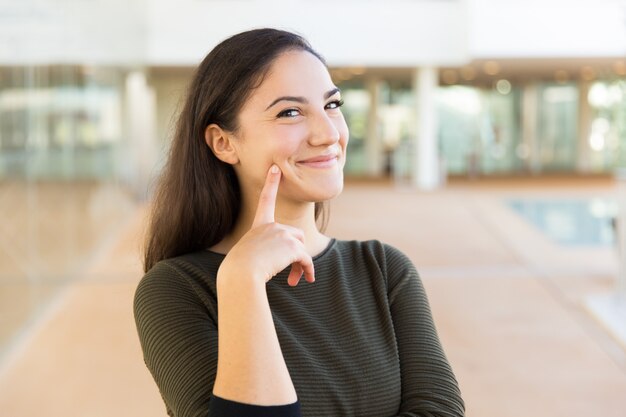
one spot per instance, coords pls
(269, 247)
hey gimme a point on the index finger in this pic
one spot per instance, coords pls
(267, 199)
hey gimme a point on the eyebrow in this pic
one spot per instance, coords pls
(302, 100)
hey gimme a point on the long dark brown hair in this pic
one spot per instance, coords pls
(197, 199)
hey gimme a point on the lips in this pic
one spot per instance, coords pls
(321, 158)
(320, 161)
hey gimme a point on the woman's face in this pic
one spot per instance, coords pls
(293, 119)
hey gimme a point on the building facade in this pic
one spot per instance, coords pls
(89, 89)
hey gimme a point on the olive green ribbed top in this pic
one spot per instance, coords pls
(359, 341)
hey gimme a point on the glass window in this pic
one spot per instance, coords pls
(356, 112)
(479, 129)
(59, 122)
(459, 110)
(557, 129)
(606, 139)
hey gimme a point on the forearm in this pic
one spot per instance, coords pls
(251, 368)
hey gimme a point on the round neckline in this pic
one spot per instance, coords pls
(324, 251)
(331, 243)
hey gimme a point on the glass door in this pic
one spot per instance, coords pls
(557, 128)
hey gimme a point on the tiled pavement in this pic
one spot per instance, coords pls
(509, 304)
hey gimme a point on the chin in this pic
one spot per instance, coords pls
(315, 188)
(326, 191)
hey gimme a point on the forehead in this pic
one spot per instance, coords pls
(294, 73)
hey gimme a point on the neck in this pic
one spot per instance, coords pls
(301, 216)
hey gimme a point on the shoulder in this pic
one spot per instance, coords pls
(386, 255)
(396, 269)
(169, 272)
(189, 277)
(392, 264)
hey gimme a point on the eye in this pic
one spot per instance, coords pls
(289, 113)
(334, 104)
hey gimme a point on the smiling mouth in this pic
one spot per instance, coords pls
(320, 162)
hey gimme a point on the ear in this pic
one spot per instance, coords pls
(221, 144)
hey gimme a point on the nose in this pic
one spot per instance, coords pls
(324, 130)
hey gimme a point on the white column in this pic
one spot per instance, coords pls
(426, 173)
(373, 145)
(140, 114)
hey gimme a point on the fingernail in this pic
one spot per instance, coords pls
(274, 169)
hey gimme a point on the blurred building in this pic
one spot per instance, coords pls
(89, 89)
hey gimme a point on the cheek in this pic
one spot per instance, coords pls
(287, 139)
(344, 133)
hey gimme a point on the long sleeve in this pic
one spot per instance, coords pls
(360, 341)
(179, 340)
(178, 335)
(429, 388)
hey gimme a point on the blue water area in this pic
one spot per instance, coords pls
(571, 222)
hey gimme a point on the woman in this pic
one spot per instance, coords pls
(260, 144)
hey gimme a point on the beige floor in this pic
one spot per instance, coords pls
(508, 302)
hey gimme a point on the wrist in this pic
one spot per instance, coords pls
(230, 278)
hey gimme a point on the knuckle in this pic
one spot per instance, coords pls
(292, 244)
(284, 234)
